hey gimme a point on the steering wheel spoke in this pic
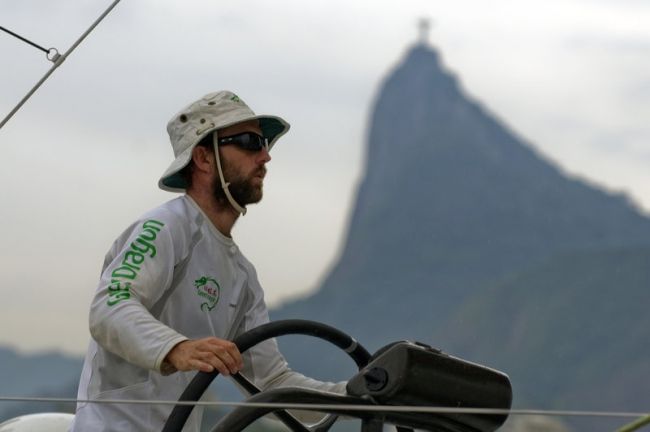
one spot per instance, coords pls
(325, 424)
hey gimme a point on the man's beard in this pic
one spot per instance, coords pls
(242, 190)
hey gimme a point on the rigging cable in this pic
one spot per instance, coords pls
(52, 51)
(373, 408)
(643, 419)
(57, 59)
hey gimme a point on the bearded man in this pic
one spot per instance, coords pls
(175, 289)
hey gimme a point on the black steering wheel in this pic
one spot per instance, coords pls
(202, 380)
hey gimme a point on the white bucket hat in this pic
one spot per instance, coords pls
(213, 111)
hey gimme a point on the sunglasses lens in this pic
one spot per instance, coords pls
(250, 141)
(247, 141)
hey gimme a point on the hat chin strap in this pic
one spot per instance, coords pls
(224, 185)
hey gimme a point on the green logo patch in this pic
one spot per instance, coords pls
(140, 250)
(208, 288)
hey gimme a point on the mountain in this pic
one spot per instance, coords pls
(48, 374)
(458, 225)
(570, 332)
(553, 318)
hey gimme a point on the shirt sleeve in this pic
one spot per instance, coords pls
(136, 273)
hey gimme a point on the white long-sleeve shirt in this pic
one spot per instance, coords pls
(171, 276)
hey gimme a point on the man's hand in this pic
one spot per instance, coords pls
(206, 355)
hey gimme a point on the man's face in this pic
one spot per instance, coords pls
(243, 169)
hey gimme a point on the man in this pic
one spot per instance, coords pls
(175, 289)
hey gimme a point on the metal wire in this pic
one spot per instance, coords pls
(58, 60)
(16, 35)
(321, 407)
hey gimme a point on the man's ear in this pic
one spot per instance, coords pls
(203, 158)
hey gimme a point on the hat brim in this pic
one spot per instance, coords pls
(272, 127)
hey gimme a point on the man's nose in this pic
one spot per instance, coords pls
(265, 156)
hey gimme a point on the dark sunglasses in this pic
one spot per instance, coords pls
(248, 141)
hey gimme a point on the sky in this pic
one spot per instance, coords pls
(82, 158)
